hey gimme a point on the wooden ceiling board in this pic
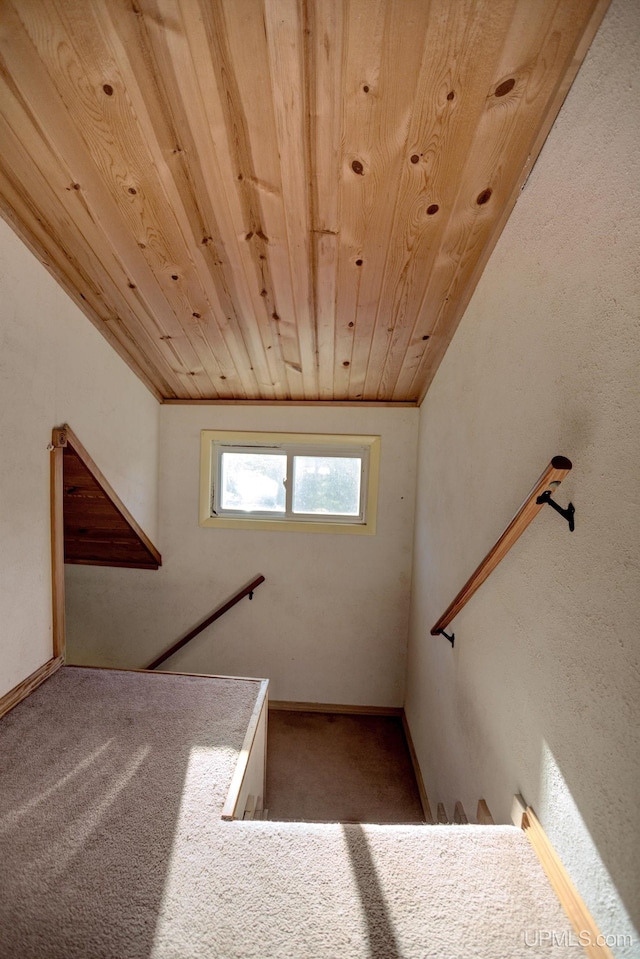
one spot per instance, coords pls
(543, 55)
(277, 200)
(78, 267)
(324, 34)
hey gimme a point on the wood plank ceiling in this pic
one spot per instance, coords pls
(277, 199)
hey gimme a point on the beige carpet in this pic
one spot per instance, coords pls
(111, 847)
(325, 767)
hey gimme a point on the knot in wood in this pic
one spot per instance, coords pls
(505, 87)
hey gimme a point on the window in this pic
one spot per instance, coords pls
(293, 481)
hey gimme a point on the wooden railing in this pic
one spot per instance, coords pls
(539, 495)
(246, 591)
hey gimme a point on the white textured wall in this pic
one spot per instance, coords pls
(55, 368)
(329, 624)
(541, 693)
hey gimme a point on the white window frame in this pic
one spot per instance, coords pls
(215, 442)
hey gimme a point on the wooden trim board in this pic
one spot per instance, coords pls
(424, 799)
(27, 686)
(337, 708)
(106, 562)
(230, 809)
(57, 548)
(459, 815)
(165, 672)
(586, 929)
(483, 814)
(357, 404)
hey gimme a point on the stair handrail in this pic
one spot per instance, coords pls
(548, 481)
(245, 591)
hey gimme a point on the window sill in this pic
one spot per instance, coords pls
(290, 526)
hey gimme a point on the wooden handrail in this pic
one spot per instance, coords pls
(246, 591)
(548, 481)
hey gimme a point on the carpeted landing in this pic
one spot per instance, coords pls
(112, 847)
(326, 767)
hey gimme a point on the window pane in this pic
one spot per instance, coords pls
(326, 484)
(253, 482)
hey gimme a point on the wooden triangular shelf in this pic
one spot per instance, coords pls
(99, 530)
